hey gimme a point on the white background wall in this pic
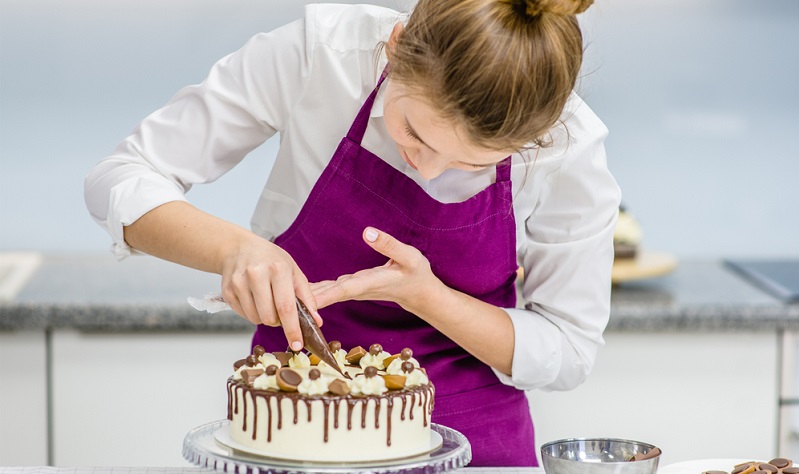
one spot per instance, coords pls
(700, 98)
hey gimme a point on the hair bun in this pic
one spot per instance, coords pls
(535, 8)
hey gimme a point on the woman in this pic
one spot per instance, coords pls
(465, 156)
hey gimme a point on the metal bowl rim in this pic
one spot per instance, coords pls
(567, 440)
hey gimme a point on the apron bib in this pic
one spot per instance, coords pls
(471, 247)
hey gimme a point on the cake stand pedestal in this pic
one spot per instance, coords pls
(201, 448)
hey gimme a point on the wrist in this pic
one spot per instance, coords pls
(428, 298)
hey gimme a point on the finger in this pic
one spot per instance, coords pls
(357, 286)
(248, 304)
(231, 297)
(286, 306)
(265, 306)
(388, 245)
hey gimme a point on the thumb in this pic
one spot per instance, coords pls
(387, 245)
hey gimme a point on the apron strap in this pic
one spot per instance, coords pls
(503, 170)
(358, 127)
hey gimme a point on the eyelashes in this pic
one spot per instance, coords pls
(412, 135)
(415, 138)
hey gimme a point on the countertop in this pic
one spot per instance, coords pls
(177, 470)
(97, 293)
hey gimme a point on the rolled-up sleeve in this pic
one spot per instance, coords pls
(201, 133)
(567, 262)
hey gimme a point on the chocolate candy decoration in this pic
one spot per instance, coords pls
(334, 346)
(652, 453)
(338, 387)
(790, 470)
(313, 339)
(249, 375)
(762, 466)
(258, 351)
(283, 357)
(406, 354)
(271, 370)
(781, 463)
(407, 367)
(745, 468)
(288, 380)
(355, 354)
(394, 382)
(237, 365)
(251, 361)
(375, 349)
(314, 374)
(370, 372)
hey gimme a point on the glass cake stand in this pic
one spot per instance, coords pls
(201, 448)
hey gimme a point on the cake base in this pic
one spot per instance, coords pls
(223, 437)
(201, 449)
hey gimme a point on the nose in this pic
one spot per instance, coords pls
(429, 168)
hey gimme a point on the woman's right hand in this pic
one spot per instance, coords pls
(260, 282)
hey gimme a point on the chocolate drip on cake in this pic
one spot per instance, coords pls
(308, 406)
(237, 389)
(244, 401)
(254, 415)
(326, 407)
(230, 401)
(268, 420)
(390, 402)
(363, 413)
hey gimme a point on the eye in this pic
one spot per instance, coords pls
(412, 135)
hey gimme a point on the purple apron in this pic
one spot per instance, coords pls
(471, 246)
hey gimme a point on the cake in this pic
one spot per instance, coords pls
(627, 236)
(292, 405)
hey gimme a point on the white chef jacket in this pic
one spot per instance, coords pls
(306, 81)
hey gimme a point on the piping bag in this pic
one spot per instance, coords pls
(312, 336)
(313, 339)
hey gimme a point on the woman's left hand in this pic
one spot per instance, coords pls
(405, 278)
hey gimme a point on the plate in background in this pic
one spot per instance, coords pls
(701, 465)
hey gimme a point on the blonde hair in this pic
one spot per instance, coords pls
(502, 69)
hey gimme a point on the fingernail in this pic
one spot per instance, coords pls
(371, 234)
(296, 346)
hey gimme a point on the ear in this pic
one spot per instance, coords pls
(393, 38)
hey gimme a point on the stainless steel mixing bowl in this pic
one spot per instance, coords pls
(596, 456)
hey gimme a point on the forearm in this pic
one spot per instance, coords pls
(181, 233)
(484, 330)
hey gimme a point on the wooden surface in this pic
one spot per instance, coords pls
(646, 264)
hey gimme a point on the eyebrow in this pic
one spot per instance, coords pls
(416, 135)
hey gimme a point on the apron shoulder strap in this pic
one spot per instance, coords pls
(358, 127)
(503, 170)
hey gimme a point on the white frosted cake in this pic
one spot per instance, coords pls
(292, 406)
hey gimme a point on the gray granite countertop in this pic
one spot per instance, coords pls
(97, 293)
